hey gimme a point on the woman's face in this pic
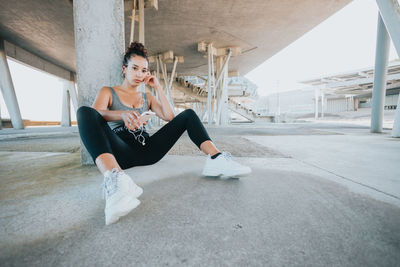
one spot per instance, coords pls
(136, 70)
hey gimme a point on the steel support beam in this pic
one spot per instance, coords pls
(381, 66)
(8, 91)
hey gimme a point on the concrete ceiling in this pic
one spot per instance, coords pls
(260, 27)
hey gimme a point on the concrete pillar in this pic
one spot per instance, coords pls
(141, 21)
(66, 108)
(1, 123)
(316, 103)
(7, 89)
(209, 84)
(133, 22)
(322, 104)
(69, 85)
(390, 12)
(224, 98)
(356, 103)
(99, 44)
(396, 125)
(381, 66)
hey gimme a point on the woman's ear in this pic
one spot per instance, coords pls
(123, 71)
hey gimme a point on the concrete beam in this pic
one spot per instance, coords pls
(33, 61)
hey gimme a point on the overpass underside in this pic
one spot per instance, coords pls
(213, 39)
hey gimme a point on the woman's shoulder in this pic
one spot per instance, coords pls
(105, 92)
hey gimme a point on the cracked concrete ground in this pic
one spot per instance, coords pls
(319, 194)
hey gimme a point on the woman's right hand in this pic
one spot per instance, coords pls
(131, 119)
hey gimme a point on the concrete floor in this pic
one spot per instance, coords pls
(320, 194)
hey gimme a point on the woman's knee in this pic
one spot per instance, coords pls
(189, 113)
(84, 111)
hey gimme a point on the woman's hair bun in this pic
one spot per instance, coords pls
(135, 48)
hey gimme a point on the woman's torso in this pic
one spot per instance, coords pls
(116, 104)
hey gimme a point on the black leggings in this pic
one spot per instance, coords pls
(98, 138)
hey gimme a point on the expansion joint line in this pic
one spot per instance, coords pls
(348, 179)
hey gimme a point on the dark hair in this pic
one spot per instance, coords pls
(137, 49)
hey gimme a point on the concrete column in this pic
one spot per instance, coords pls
(218, 92)
(141, 21)
(1, 123)
(390, 13)
(66, 108)
(322, 104)
(209, 84)
(70, 87)
(73, 95)
(133, 22)
(316, 103)
(7, 89)
(224, 98)
(99, 44)
(396, 125)
(381, 66)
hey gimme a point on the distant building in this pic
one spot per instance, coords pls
(337, 93)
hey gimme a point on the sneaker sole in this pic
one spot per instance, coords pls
(227, 175)
(127, 204)
(137, 191)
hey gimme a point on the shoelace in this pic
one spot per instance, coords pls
(227, 155)
(110, 184)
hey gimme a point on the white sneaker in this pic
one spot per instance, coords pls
(120, 193)
(224, 165)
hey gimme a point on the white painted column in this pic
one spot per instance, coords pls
(8, 91)
(390, 12)
(1, 123)
(381, 66)
(396, 125)
(66, 108)
(224, 97)
(322, 104)
(316, 102)
(99, 45)
(209, 84)
(218, 89)
(73, 95)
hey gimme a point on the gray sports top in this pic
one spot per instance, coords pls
(117, 105)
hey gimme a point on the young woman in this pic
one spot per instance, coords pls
(115, 137)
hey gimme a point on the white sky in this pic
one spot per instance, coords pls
(346, 41)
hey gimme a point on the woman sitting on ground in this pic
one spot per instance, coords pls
(116, 138)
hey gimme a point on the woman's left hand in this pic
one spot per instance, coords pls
(152, 81)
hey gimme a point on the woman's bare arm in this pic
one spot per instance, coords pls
(101, 104)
